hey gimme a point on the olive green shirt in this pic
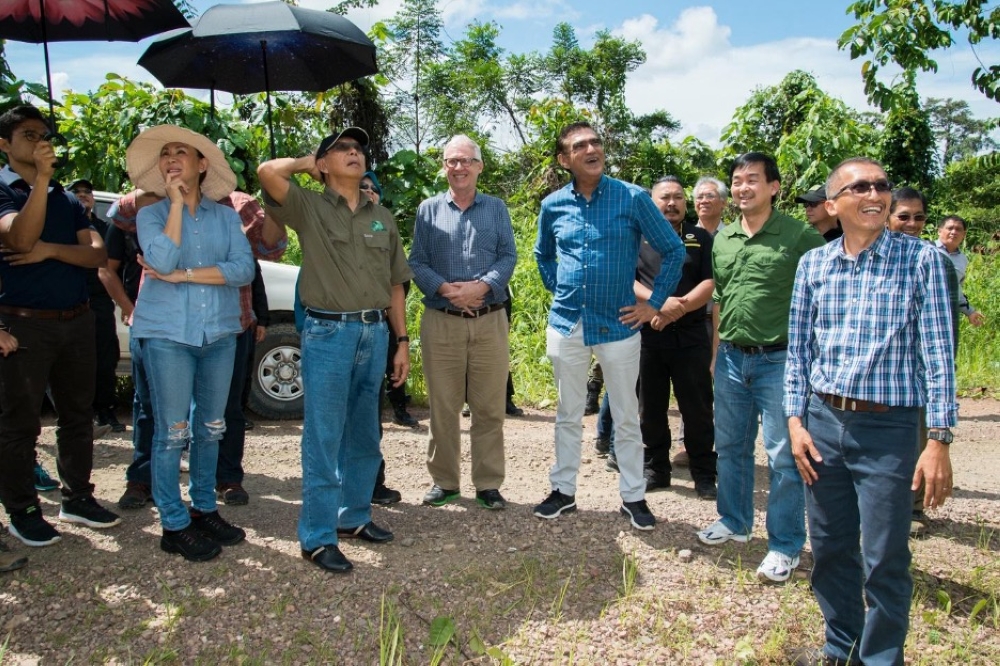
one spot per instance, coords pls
(350, 259)
(754, 278)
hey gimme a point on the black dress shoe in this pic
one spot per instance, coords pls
(657, 482)
(706, 490)
(514, 410)
(329, 558)
(384, 496)
(402, 417)
(368, 532)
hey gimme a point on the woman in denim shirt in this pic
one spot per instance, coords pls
(187, 319)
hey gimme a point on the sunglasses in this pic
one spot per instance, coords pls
(906, 217)
(813, 204)
(862, 187)
(578, 146)
(367, 188)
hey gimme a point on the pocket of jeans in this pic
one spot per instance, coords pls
(318, 329)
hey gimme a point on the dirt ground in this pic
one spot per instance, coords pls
(584, 589)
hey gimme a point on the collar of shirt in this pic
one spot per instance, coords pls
(601, 185)
(939, 245)
(14, 181)
(736, 228)
(879, 248)
(335, 197)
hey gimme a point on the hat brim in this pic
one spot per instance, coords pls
(143, 161)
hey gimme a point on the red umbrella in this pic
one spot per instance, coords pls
(44, 21)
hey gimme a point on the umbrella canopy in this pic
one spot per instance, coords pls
(44, 21)
(252, 48)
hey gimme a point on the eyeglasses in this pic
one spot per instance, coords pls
(33, 136)
(906, 217)
(453, 162)
(346, 146)
(367, 188)
(707, 196)
(579, 146)
(862, 187)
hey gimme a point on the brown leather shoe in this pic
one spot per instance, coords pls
(135, 496)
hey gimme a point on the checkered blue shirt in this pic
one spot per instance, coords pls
(587, 253)
(877, 327)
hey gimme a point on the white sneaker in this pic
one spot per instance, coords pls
(185, 461)
(777, 567)
(717, 534)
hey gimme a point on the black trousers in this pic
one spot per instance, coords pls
(58, 354)
(229, 468)
(687, 369)
(108, 352)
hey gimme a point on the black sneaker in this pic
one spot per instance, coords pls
(513, 410)
(232, 494)
(107, 417)
(602, 446)
(30, 526)
(656, 481)
(135, 496)
(10, 561)
(555, 504)
(384, 496)
(190, 544)
(639, 514)
(706, 490)
(491, 499)
(86, 511)
(612, 464)
(402, 417)
(215, 527)
(438, 496)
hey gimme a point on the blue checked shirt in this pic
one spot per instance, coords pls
(587, 252)
(452, 245)
(877, 327)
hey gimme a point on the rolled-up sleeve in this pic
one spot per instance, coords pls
(545, 250)
(158, 250)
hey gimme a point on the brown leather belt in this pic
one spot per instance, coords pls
(475, 313)
(852, 405)
(32, 313)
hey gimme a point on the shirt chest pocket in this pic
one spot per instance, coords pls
(888, 310)
(377, 242)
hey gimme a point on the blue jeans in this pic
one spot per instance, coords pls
(859, 525)
(188, 386)
(342, 368)
(748, 387)
(605, 422)
(140, 470)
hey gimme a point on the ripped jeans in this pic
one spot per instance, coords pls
(187, 385)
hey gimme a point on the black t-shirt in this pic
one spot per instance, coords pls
(689, 330)
(98, 294)
(123, 246)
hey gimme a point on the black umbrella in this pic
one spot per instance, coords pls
(44, 21)
(262, 47)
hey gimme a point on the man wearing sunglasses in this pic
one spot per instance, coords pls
(48, 244)
(352, 277)
(870, 343)
(824, 223)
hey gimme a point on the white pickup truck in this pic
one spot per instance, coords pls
(276, 390)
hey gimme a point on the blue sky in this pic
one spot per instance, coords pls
(703, 59)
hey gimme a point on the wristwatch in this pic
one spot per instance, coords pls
(402, 338)
(189, 274)
(943, 435)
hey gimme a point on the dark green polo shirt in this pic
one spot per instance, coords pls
(754, 278)
(350, 259)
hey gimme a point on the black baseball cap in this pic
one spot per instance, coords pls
(355, 133)
(815, 195)
(82, 181)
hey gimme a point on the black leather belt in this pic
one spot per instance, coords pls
(32, 313)
(475, 313)
(852, 405)
(760, 349)
(364, 316)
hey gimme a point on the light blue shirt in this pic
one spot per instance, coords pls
(454, 245)
(189, 313)
(587, 252)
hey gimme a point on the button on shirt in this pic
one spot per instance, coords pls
(587, 252)
(452, 245)
(877, 327)
(754, 276)
(189, 313)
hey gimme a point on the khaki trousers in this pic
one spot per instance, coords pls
(466, 360)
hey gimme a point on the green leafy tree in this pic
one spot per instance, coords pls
(807, 131)
(907, 32)
(906, 145)
(958, 134)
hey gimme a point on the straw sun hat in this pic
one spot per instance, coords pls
(143, 160)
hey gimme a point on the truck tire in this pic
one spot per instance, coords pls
(276, 392)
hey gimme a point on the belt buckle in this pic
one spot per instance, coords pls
(839, 402)
(371, 316)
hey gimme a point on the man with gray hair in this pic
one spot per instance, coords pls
(463, 256)
(710, 198)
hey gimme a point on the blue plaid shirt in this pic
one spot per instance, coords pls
(452, 245)
(587, 253)
(877, 327)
